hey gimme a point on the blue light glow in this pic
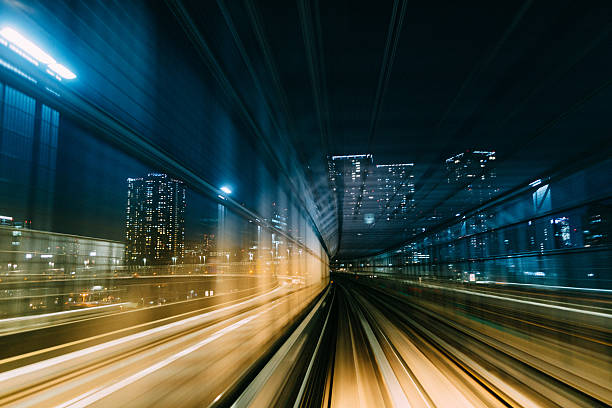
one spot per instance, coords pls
(535, 183)
(16, 70)
(62, 71)
(26, 45)
(31, 52)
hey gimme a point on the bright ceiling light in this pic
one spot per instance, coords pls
(26, 45)
(62, 71)
(226, 190)
(34, 54)
(535, 183)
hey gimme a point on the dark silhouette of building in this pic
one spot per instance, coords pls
(29, 133)
(395, 189)
(349, 177)
(472, 169)
(155, 221)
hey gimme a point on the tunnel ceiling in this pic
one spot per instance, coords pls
(524, 84)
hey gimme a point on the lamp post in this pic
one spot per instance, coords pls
(225, 191)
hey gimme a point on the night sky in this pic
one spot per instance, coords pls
(91, 191)
(258, 93)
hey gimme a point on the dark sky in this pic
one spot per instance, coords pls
(91, 191)
(420, 82)
(257, 93)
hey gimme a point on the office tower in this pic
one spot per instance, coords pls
(597, 224)
(29, 132)
(395, 189)
(349, 176)
(472, 172)
(155, 221)
(280, 217)
(472, 169)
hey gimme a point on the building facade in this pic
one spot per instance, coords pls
(395, 189)
(28, 155)
(155, 221)
(473, 169)
(349, 176)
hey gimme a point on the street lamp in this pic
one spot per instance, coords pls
(221, 218)
(144, 261)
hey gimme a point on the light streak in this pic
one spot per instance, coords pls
(9, 375)
(25, 48)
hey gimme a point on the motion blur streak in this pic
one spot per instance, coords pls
(460, 351)
(116, 367)
(271, 203)
(87, 352)
(87, 399)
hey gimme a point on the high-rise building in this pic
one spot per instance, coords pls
(349, 175)
(280, 217)
(155, 221)
(395, 189)
(372, 192)
(470, 165)
(597, 224)
(29, 132)
(473, 169)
